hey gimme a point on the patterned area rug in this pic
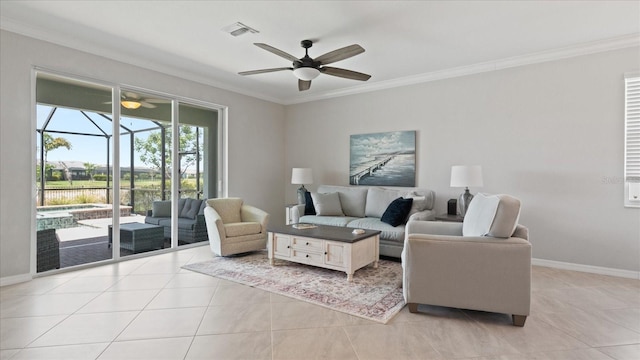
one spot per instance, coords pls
(374, 294)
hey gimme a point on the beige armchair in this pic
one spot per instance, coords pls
(482, 264)
(235, 228)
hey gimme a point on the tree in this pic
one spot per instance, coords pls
(150, 149)
(90, 168)
(49, 144)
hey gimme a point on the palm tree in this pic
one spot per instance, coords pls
(90, 169)
(50, 143)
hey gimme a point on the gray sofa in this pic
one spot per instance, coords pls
(362, 207)
(191, 224)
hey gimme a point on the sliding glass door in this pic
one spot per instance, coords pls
(116, 184)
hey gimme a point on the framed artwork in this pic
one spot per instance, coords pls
(383, 159)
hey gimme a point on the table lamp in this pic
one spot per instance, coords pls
(301, 176)
(465, 176)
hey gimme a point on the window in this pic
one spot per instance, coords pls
(632, 141)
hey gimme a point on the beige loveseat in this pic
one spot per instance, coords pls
(362, 207)
(482, 264)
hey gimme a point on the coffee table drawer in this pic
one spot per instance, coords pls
(310, 258)
(308, 244)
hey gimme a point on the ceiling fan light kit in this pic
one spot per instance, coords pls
(306, 73)
(307, 68)
(129, 104)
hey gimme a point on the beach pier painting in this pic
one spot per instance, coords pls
(383, 159)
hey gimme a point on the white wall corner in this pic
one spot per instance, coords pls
(15, 279)
(587, 268)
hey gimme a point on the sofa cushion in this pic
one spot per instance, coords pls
(378, 200)
(327, 220)
(309, 209)
(396, 213)
(190, 208)
(227, 208)
(327, 204)
(161, 209)
(153, 220)
(185, 223)
(423, 199)
(352, 199)
(491, 215)
(242, 228)
(388, 232)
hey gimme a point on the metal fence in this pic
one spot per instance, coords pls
(143, 198)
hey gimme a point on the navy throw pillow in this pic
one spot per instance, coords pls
(309, 209)
(397, 211)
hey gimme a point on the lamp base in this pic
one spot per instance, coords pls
(301, 191)
(463, 202)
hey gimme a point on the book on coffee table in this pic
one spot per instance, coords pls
(303, 226)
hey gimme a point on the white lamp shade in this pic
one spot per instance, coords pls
(466, 176)
(301, 176)
(306, 73)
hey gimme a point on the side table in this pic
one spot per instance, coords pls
(287, 213)
(449, 218)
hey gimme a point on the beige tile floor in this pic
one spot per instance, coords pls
(150, 308)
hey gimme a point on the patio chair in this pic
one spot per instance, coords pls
(48, 250)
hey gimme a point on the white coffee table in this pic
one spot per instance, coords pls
(329, 247)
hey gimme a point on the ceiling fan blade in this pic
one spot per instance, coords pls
(156, 101)
(343, 73)
(304, 85)
(253, 72)
(340, 54)
(278, 52)
(130, 95)
(147, 105)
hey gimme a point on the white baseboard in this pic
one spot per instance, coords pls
(10, 280)
(587, 268)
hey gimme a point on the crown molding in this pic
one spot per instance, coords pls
(621, 42)
(116, 54)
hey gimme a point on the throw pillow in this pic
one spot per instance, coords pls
(192, 209)
(397, 211)
(327, 204)
(491, 215)
(309, 209)
(161, 209)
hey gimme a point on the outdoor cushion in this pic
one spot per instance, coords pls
(242, 228)
(161, 209)
(153, 220)
(191, 208)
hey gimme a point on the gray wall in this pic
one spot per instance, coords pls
(550, 134)
(256, 135)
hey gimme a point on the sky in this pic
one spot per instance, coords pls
(91, 149)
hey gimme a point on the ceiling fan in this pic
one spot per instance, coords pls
(307, 68)
(131, 100)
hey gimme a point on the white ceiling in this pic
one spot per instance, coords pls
(405, 41)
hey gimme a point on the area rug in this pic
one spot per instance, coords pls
(374, 294)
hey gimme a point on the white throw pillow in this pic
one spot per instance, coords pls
(327, 204)
(491, 215)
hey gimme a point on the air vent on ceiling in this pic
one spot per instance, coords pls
(238, 29)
